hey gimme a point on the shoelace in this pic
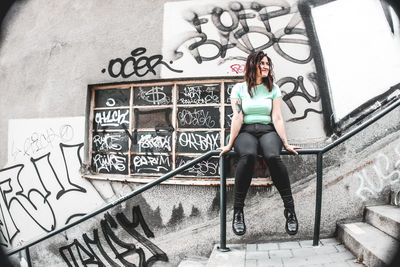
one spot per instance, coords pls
(239, 216)
(291, 221)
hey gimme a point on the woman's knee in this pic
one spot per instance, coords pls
(248, 157)
(272, 158)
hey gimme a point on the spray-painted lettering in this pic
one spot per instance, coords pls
(107, 142)
(112, 118)
(109, 163)
(127, 254)
(155, 95)
(199, 142)
(136, 64)
(158, 142)
(151, 163)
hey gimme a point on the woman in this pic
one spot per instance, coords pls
(257, 125)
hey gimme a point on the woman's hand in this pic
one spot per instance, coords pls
(225, 149)
(291, 148)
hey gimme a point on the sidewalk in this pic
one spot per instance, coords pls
(285, 254)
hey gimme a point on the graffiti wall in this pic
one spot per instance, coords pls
(102, 246)
(214, 39)
(150, 68)
(42, 188)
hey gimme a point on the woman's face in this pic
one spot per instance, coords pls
(263, 68)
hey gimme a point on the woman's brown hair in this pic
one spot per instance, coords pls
(250, 74)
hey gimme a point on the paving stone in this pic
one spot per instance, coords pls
(256, 255)
(303, 252)
(331, 241)
(318, 259)
(296, 253)
(281, 253)
(251, 247)
(289, 245)
(251, 263)
(270, 263)
(236, 257)
(328, 249)
(296, 261)
(307, 243)
(267, 246)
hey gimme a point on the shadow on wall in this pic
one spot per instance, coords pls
(4, 262)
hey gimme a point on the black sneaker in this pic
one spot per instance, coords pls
(292, 225)
(238, 225)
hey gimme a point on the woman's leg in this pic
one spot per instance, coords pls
(271, 146)
(246, 146)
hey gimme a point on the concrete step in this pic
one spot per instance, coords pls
(369, 244)
(386, 218)
(234, 258)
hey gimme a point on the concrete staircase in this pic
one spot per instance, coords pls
(375, 241)
(372, 243)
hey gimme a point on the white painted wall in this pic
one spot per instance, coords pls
(361, 54)
(43, 189)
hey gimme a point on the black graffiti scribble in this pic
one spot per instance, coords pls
(130, 226)
(299, 90)
(135, 65)
(111, 239)
(87, 255)
(35, 201)
(306, 111)
(3, 237)
(239, 35)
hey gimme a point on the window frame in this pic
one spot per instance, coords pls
(174, 105)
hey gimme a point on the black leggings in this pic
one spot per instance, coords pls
(254, 138)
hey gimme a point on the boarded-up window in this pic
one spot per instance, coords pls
(143, 130)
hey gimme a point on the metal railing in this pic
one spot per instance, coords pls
(113, 203)
(319, 152)
(318, 204)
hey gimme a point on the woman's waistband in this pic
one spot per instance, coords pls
(257, 127)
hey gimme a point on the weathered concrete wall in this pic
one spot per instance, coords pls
(49, 54)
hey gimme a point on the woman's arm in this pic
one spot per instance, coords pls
(236, 124)
(279, 125)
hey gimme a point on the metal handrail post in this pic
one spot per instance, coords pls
(222, 206)
(318, 201)
(28, 257)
